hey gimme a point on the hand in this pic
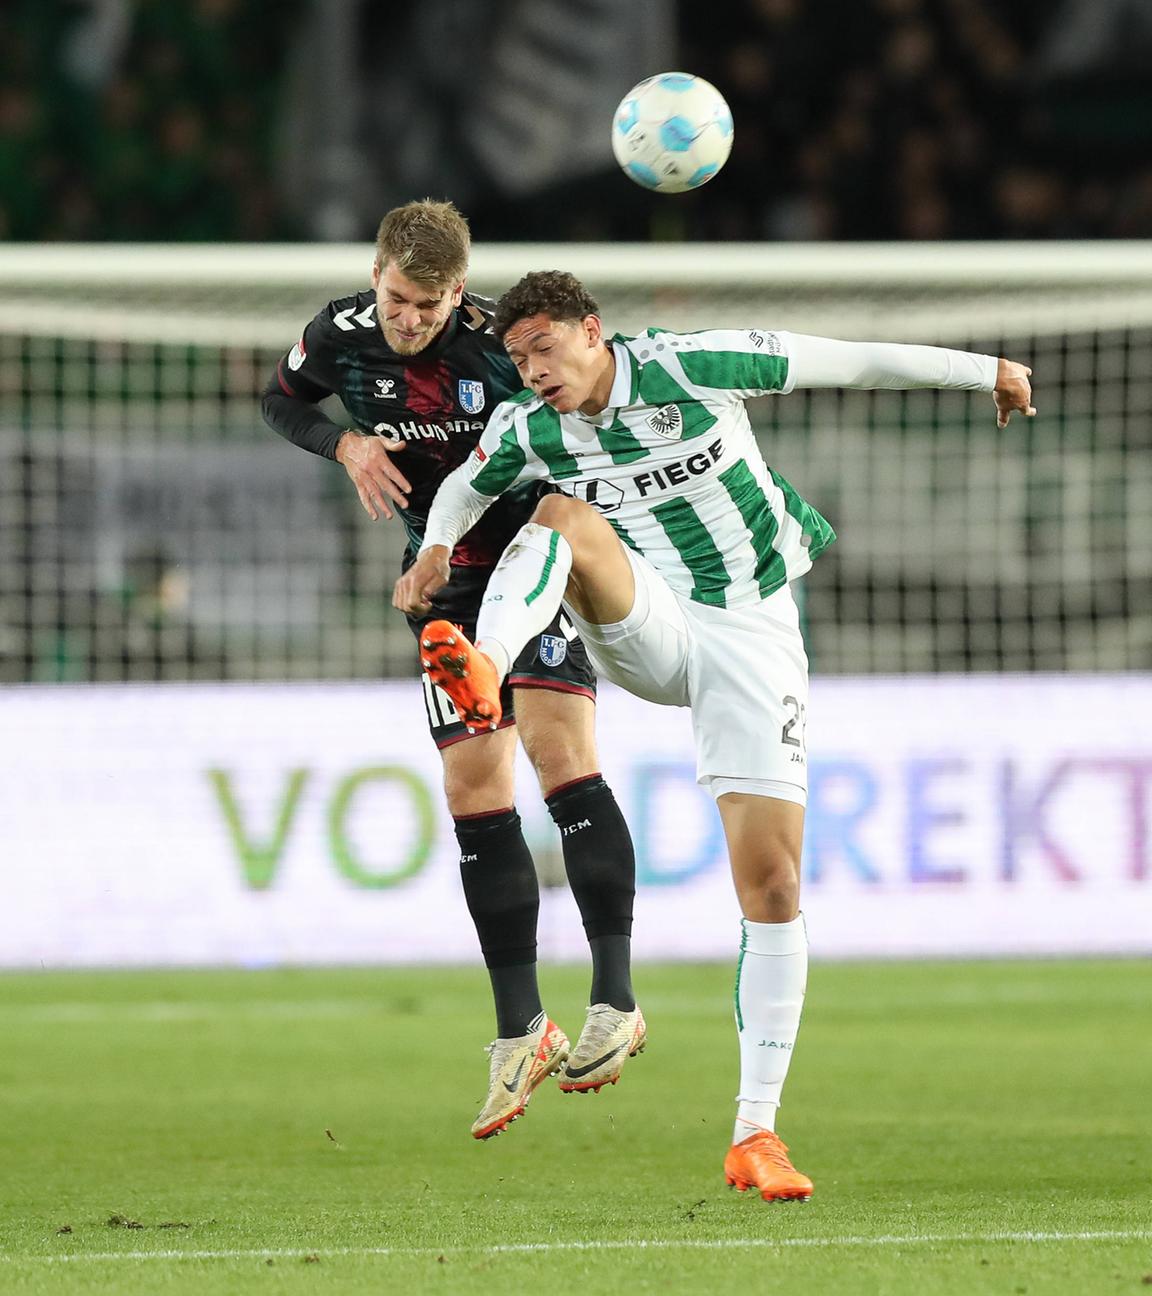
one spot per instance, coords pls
(1013, 392)
(368, 461)
(413, 591)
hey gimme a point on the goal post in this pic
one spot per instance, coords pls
(151, 527)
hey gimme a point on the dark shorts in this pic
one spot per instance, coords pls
(554, 660)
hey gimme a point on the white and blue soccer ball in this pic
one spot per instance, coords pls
(672, 132)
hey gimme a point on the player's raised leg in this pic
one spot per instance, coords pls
(503, 897)
(764, 836)
(557, 731)
(568, 553)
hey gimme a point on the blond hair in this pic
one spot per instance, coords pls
(427, 241)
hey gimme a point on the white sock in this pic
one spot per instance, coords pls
(770, 981)
(523, 594)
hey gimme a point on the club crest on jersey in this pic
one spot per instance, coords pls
(553, 649)
(667, 422)
(471, 395)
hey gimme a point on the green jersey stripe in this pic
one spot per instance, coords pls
(547, 442)
(502, 466)
(549, 563)
(697, 550)
(818, 533)
(735, 370)
(658, 387)
(621, 444)
(625, 538)
(751, 502)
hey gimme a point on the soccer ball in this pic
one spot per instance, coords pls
(672, 132)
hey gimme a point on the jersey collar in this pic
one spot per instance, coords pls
(625, 385)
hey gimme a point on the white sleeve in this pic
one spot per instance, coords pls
(825, 362)
(456, 509)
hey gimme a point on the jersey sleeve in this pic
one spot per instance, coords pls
(497, 464)
(741, 362)
(503, 457)
(827, 362)
(303, 377)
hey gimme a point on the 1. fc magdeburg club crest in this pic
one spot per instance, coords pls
(553, 649)
(471, 395)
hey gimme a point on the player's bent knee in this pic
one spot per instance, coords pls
(579, 523)
(558, 510)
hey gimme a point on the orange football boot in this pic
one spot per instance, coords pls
(463, 672)
(761, 1161)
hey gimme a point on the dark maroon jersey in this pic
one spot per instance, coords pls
(438, 402)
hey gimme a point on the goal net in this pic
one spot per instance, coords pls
(151, 527)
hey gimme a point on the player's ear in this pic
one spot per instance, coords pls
(457, 293)
(593, 330)
(376, 274)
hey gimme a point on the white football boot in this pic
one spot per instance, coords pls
(609, 1038)
(518, 1066)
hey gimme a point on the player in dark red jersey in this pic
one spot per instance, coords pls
(419, 371)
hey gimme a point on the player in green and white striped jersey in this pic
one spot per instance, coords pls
(675, 430)
(672, 547)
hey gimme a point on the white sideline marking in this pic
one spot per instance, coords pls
(640, 1244)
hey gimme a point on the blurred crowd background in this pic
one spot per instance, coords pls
(884, 119)
(151, 527)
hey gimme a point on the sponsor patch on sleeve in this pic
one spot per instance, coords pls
(297, 356)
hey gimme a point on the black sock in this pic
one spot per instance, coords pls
(601, 869)
(504, 900)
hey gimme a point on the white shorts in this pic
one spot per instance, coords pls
(743, 671)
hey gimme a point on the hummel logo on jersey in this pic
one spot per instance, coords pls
(574, 1073)
(364, 319)
(384, 388)
(514, 1084)
(668, 421)
(757, 338)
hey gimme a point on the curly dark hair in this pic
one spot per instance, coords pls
(554, 293)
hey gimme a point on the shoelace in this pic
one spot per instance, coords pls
(772, 1148)
(600, 1027)
(499, 1051)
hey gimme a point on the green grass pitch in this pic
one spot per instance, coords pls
(977, 1127)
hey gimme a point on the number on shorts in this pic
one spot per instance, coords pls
(798, 718)
(438, 705)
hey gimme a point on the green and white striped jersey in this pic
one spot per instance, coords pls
(672, 462)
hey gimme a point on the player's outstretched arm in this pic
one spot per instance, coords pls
(1013, 391)
(899, 366)
(368, 461)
